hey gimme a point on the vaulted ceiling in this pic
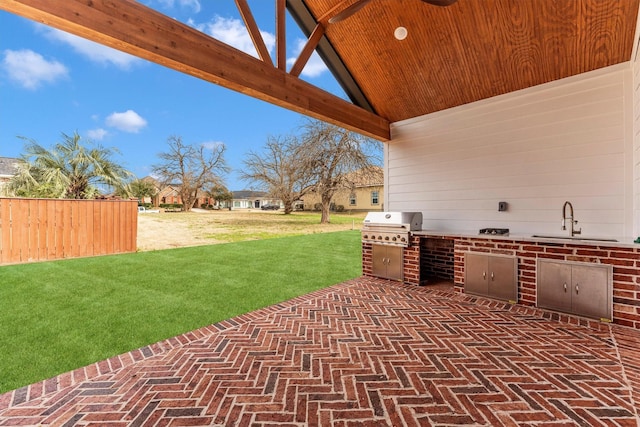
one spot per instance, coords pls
(470, 50)
(453, 55)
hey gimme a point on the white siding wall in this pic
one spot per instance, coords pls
(636, 144)
(534, 149)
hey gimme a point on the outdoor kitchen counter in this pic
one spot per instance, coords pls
(622, 242)
(623, 256)
(442, 254)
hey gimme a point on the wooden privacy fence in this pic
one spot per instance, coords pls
(48, 229)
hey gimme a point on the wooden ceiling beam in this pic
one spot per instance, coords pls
(131, 27)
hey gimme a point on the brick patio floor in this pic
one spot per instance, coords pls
(367, 352)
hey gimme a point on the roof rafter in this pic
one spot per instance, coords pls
(254, 31)
(136, 29)
(281, 43)
(308, 49)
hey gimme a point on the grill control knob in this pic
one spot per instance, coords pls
(386, 238)
(403, 240)
(394, 238)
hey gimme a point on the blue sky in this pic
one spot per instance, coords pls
(52, 82)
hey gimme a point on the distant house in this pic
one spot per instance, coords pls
(8, 168)
(248, 199)
(170, 194)
(245, 199)
(364, 194)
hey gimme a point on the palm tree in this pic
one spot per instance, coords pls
(69, 170)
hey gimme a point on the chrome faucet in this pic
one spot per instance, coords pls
(572, 222)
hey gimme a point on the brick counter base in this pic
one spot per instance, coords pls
(411, 266)
(625, 262)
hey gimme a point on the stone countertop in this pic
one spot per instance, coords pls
(620, 242)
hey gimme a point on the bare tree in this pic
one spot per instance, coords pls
(281, 170)
(191, 167)
(335, 157)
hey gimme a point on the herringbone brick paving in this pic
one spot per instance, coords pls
(367, 352)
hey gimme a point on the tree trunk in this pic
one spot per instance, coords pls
(186, 205)
(187, 201)
(326, 206)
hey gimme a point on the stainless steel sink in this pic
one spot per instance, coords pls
(576, 238)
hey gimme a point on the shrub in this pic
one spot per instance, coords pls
(171, 205)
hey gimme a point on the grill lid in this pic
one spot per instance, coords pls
(412, 221)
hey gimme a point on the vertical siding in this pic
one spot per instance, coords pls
(534, 149)
(636, 145)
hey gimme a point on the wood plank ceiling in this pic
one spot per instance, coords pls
(473, 49)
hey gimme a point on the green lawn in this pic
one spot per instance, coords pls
(58, 316)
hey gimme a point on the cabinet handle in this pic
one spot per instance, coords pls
(577, 289)
(484, 275)
(492, 275)
(565, 287)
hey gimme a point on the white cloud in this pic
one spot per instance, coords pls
(233, 32)
(129, 121)
(97, 134)
(314, 67)
(93, 51)
(194, 4)
(30, 69)
(212, 145)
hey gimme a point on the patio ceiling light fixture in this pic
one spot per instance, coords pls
(400, 33)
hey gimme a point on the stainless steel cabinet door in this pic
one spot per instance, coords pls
(476, 273)
(395, 266)
(387, 262)
(578, 288)
(591, 295)
(379, 259)
(554, 285)
(493, 276)
(502, 280)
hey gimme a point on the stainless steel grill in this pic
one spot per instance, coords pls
(391, 228)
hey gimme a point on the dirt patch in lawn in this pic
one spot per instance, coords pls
(181, 229)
